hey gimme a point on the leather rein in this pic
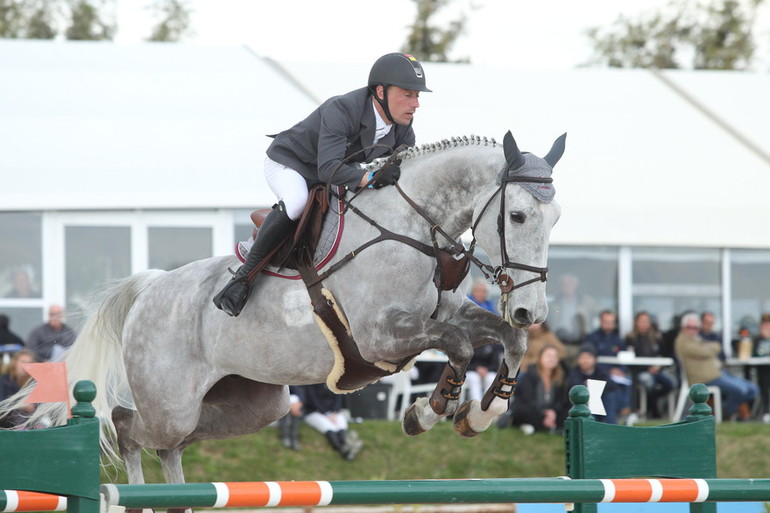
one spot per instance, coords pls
(495, 275)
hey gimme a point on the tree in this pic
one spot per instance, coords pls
(714, 36)
(428, 42)
(86, 23)
(175, 22)
(31, 19)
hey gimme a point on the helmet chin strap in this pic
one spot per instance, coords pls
(384, 102)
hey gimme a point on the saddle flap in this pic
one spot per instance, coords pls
(258, 216)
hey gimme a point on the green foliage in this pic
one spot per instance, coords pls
(718, 35)
(86, 24)
(28, 19)
(426, 40)
(175, 20)
(437, 454)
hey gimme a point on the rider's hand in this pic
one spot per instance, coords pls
(388, 175)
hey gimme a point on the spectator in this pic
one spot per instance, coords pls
(707, 321)
(762, 348)
(700, 359)
(323, 412)
(22, 286)
(289, 424)
(586, 369)
(7, 337)
(539, 336)
(12, 377)
(607, 342)
(645, 340)
(52, 336)
(541, 402)
(480, 295)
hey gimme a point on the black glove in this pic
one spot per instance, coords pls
(388, 175)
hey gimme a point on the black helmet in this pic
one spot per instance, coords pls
(398, 69)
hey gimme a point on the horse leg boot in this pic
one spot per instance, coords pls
(275, 228)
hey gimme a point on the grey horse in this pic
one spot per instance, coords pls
(171, 369)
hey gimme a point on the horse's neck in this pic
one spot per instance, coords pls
(447, 184)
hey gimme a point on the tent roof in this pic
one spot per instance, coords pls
(664, 158)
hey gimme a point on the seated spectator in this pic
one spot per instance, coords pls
(607, 342)
(480, 295)
(541, 402)
(12, 377)
(8, 337)
(52, 336)
(289, 424)
(586, 369)
(645, 340)
(323, 412)
(707, 321)
(482, 370)
(700, 359)
(539, 336)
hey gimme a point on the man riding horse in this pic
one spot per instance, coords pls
(326, 147)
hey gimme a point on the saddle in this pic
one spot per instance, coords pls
(299, 248)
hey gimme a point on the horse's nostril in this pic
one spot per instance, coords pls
(522, 317)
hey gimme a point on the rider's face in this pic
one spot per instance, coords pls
(402, 103)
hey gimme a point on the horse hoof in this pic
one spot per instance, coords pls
(461, 424)
(411, 424)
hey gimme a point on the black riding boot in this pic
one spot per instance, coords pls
(274, 229)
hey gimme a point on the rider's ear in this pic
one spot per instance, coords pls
(380, 92)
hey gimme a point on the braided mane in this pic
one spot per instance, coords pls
(427, 149)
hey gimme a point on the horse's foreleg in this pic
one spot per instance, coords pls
(473, 417)
(398, 334)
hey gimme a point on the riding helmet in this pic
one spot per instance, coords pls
(398, 69)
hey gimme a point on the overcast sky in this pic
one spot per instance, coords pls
(507, 33)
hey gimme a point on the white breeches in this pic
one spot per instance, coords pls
(288, 186)
(329, 422)
(475, 386)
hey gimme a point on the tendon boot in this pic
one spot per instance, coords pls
(275, 228)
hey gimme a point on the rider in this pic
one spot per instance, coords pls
(313, 151)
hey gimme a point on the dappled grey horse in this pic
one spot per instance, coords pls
(172, 369)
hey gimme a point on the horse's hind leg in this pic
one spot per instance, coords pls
(130, 451)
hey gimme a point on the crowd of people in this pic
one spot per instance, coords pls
(46, 342)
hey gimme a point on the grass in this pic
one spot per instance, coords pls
(439, 453)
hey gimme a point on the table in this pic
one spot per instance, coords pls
(633, 360)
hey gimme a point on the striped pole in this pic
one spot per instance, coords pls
(12, 500)
(533, 490)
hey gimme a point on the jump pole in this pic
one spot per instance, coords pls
(453, 491)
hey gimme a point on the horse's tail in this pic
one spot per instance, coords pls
(96, 355)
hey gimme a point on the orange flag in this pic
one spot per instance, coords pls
(51, 384)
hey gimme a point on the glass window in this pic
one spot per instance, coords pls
(669, 281)
(94, 255)
(21, 257)
(243, 225)
(750, 287)
(172, 247)
(582, 281)
(22, 321)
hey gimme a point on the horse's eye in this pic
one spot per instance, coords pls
(518, 217)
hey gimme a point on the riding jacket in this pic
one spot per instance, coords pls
(340, 127)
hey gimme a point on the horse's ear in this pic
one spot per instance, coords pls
(557, 150)
(513, 156)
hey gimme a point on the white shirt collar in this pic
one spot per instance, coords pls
(382, 128)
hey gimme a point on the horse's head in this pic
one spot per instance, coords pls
(516, 231)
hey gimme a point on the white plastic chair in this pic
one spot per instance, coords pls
(684, 390)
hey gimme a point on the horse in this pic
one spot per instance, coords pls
(171, 369)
